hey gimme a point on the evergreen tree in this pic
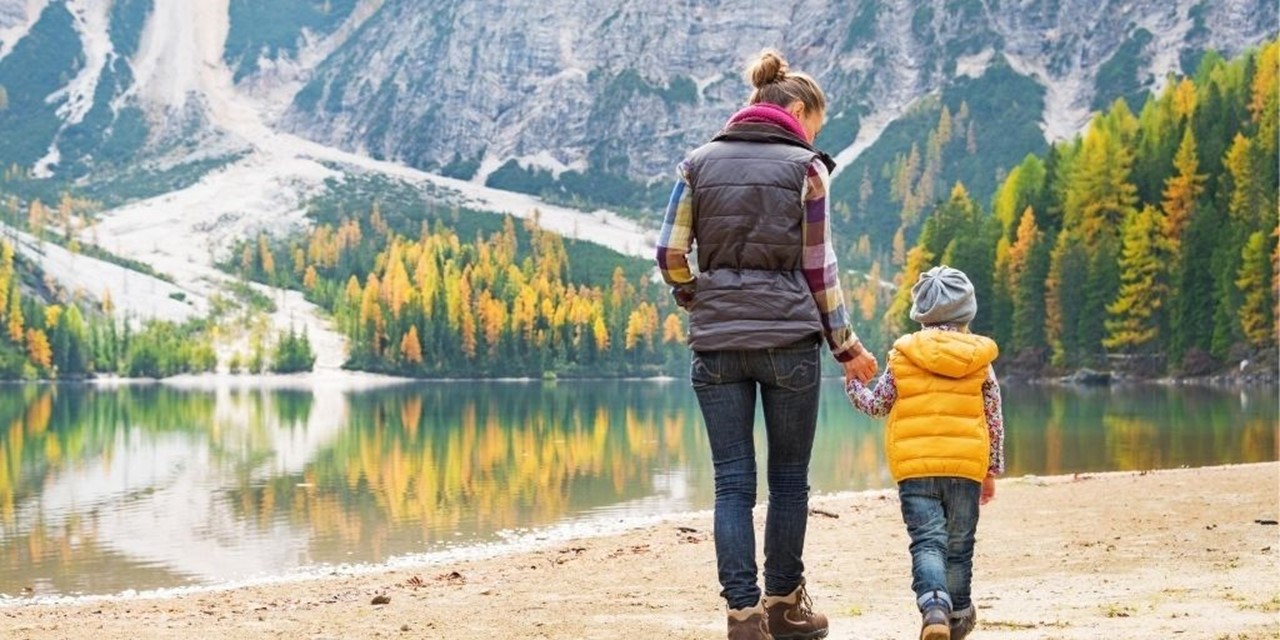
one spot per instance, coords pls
(1255, 283)
(1100, 197)
(1065, 288)
(1181, 192)
(1133, 322)
(1021, 189)
(293, 353)
(1028, 268)
(1252, 200)
(1001, 305)
(1102, 286)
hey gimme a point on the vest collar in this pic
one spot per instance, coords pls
(755, 131)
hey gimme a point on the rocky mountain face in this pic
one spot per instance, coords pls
(623, 88)
(585, 101)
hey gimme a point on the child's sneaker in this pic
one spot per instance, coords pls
(963, 622)
(791, 617)
(935, 619)
(748, 624)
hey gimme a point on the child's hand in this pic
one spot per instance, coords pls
(862, 368)
(988, 490)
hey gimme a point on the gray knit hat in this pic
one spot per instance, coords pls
(943, 295)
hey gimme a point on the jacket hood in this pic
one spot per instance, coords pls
(947, 353)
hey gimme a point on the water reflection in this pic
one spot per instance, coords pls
(103, 490)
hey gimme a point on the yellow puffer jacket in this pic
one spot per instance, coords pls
(937, 426)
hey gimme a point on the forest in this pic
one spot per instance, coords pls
(506, 304)
(1146, 245)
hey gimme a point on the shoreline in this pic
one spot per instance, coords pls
(1123, 555)
(356, 380)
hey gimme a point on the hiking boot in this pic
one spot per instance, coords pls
(935, 619)
(963, 622)
(748, 624)
(791, 617)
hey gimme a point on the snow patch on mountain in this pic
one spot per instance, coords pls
(544, 160)
(975, 65)
(16, 19)
(871, 127)
(92, 23)
(1066, 96)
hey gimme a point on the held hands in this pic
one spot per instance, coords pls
(988, 490)
(862, 367)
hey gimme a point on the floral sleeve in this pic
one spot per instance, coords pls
(875, 403)
(992, 406)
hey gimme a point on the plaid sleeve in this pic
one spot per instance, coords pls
(821, 271)
(676, 238)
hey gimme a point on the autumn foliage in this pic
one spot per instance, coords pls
(439, 305)
(1146, 242)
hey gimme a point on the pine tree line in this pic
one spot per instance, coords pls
(1147, 244)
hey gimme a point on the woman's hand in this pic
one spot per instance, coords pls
(862, 367)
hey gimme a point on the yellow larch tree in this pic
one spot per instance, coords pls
(411, 347)
(14, 319)
(1133, 321)
(38, 350)
(1251, 202)
(642, 323)
(601, 331)
(396, 288)
(372, 321)
(672, 329)
(1184, 99)
(493, 319)
(299, 262)
(310, 277)
(37, 218)
(1265, 102)
(466, 317)
(6, 275)
(1254, 281)
(268, 260)
(1181, 191)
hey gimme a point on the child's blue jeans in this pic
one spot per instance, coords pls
(942, 520)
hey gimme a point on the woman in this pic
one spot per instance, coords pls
(754, 201)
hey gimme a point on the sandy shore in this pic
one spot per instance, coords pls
(1182, 553)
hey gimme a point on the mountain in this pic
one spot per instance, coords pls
(244, 111)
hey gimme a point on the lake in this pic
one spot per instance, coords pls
(140, 487)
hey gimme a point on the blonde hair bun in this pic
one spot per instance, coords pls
(769, 68)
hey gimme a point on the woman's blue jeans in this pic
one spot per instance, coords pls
(942, 519)
(726, 383)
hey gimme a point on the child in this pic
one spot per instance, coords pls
(945, 443)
